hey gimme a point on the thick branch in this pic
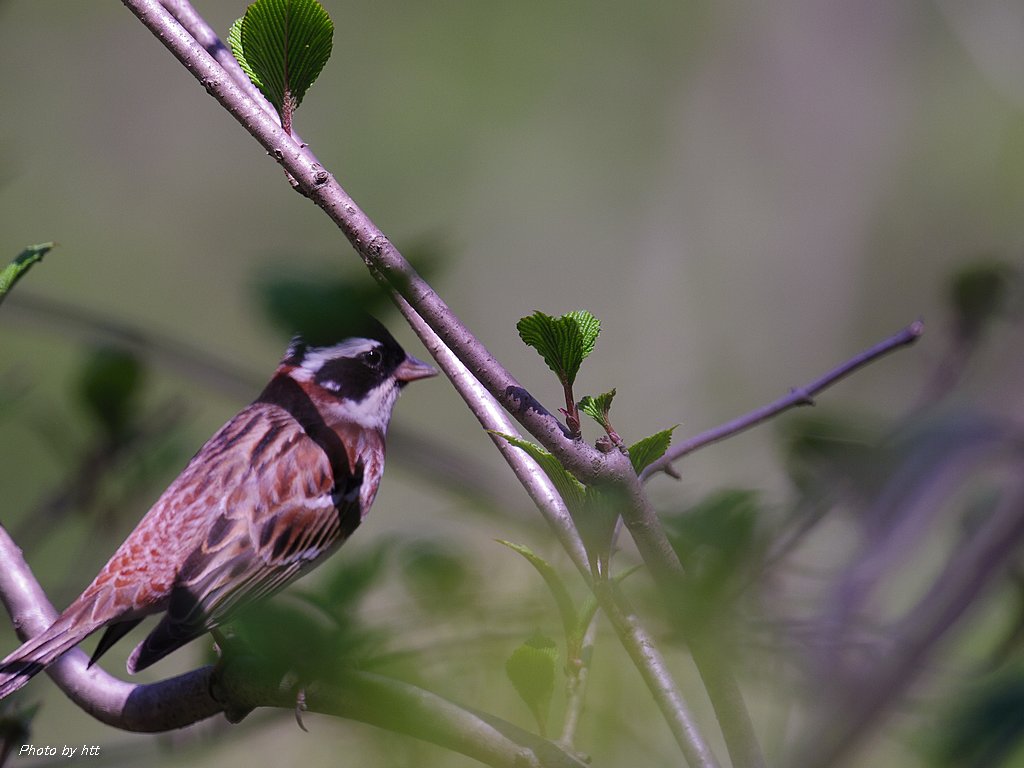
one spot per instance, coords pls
(186, 699)
(400, 708)
(800, 396)
(162, 706)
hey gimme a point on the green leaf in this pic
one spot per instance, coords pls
(721, 545)
(556, 585)
(563, 342)
(531, 668)
(436, 574)
(650, 449)
(598, 407)
(283, 45)
(572, 491)
(14, 271)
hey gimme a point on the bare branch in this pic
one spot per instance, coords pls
(576, 689)
(800, 396)
(398, 707)
(161, 706)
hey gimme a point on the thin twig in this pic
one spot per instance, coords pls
(88, 325)
(797, 397)
(576, 688)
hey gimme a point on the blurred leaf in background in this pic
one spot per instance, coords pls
(316, 305)
(110, 389)
(720, 541)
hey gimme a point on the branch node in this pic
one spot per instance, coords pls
(801, 396)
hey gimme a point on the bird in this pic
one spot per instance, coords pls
(274, 492)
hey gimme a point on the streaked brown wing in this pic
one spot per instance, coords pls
(282, 517)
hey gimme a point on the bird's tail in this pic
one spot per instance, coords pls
(38, 653)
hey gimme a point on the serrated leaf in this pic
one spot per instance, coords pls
(572, 491)
(283, 45)
(566, 607)
(564, 342)
(235, 44)
(24, 261)
(598, 407)
(650, 449)
(532, 668)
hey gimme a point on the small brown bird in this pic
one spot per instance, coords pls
(279, 487)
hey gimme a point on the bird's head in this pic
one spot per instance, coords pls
(356, 379)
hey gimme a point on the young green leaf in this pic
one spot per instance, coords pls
(650, 449)
(14, 271)
(566, 607)
(572, 491)
(531, 668)
(283, 45)
(598, 407)
(563, 342)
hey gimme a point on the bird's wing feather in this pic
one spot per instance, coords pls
(273, 526)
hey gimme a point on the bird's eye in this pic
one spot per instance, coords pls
(372, 358)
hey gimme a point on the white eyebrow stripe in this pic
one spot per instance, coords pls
(315, 357)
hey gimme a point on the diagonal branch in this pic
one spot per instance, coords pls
(797, 397)
(377, 252)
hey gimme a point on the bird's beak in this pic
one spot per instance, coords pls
(412, 369)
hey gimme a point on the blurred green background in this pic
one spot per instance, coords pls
(745, 194)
